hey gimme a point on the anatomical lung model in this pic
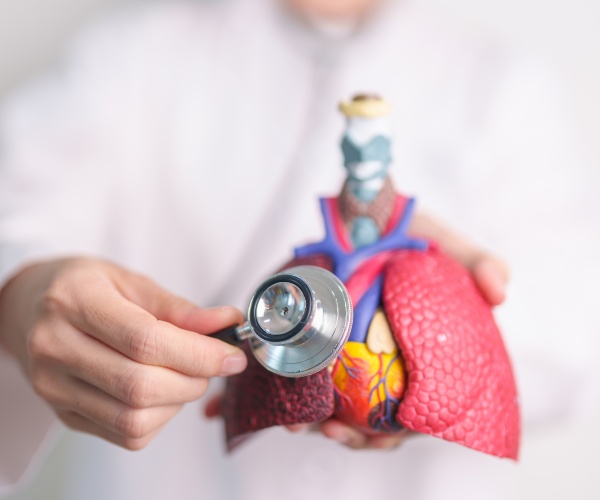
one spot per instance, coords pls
(424, 352)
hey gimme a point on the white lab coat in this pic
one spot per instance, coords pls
(190, 143)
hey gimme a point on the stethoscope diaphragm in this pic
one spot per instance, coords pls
(298, 321)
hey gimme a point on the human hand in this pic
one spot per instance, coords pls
(331, 428)
(489, 272)
(114, 354)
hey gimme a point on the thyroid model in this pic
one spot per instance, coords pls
(424, 352)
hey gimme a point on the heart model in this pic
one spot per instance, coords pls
(424, 352)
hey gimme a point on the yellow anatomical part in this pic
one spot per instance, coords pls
(369, 385)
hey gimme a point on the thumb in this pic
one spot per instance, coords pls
(491, 275)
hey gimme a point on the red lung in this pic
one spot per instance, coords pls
(460, 382)
(258, 399)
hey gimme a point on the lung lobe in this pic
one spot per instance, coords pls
(460, 381)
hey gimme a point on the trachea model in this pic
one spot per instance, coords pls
(424, 352)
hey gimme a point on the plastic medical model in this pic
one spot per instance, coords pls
(424, 352)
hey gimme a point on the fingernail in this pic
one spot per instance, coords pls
(296, 427)
(344, 438)
(233, 364)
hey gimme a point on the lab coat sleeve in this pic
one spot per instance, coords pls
(59, 157)
(537, 208)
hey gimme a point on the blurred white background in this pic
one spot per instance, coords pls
(564, 35)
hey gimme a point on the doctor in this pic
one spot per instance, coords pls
(185, 145)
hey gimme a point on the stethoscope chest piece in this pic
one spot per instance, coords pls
(301, 319)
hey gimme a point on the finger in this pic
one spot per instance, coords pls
(451, 243)
(70, 394)
(491, 276)
(137, 385)
(134, 332)
(344, 434)
(387, 441)
(165, 306)
(490, 273)
(297, 427)
(79, 423)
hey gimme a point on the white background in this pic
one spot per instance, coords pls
(563, 34)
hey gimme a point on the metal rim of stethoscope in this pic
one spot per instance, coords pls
(321, 320)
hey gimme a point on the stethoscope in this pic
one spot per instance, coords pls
(298, 321)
